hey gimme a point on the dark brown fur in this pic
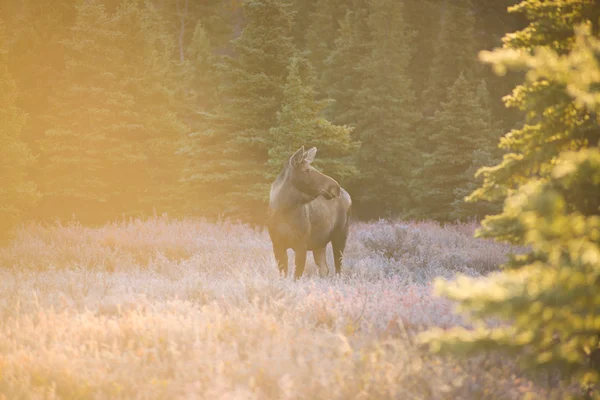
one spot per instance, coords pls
(307, 210)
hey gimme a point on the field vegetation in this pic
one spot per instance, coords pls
(191, 309)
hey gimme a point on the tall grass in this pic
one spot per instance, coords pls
(164, 309)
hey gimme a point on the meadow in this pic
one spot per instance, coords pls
(186, 309)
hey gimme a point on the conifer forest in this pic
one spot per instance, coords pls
(135, 108)
(139, 140)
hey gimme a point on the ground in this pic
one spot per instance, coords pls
(164, 309)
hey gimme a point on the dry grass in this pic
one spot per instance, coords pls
(188, 309)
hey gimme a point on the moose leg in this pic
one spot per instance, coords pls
(300, 262)
(338, 244)
(320, 256)
(282, 259)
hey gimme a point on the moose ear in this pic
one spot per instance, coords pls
(297, 157)
(309, 156)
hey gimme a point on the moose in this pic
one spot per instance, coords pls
(307, 210)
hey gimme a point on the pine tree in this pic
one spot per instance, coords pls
(182, 17)
(37, 59)
(462, 129)
(486, 154)
(114, 129)
(154, 78)
(492, 21)
(386, 115)
(79, 152)
(322, 31)
(532, 150)
(17, 193)
(341, 76)
(203, 78)
(299, 123)
(303, 11)
(232, 150)
(454, 52)
(550, 184)
(423, 18)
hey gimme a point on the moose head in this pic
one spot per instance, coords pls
(308, 180)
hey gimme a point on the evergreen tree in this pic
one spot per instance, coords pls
(79, 152)
(182, 16)
(454, 52)
(487, 154)
(37, 29)
(17, 193)
(202, 81)
(492, 21)
(341, 76)
(299, 123)
(423, 18)
(532, 150)
(322, 31)
(232, 151)
(203, 78)
(110, 148)
(303, 11)
(462, 130)
(386, 115)
(151, 75)
(550, 184)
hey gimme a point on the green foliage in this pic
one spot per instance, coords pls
(554, 121)
(487, 154)
(182, 17)
(341, 77)
(322, 31)
(385, 115)
(153, 78)
(299, 123)
(422, 16)
(201, 70)
(548, 297)
(17, 193)
(454, 52)
(110, 97)
(36, 31)
(113, 129)
(552, 23)
(463, 140)
(303, 12)
(231, 151)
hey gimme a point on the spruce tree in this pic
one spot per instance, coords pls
(303, 11)
(37, 30)
(182, 17)
(17, 193)
(322, 31)
(152, 76)
(385, 115)
(341, 76)
(232, 150)
(423, 18)
(299, 123)
(462, 129)
(532, 150)
(550, 184)
(113, 129)
(79, 153)
(454, 52)
(486, 154)
(203, 79)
